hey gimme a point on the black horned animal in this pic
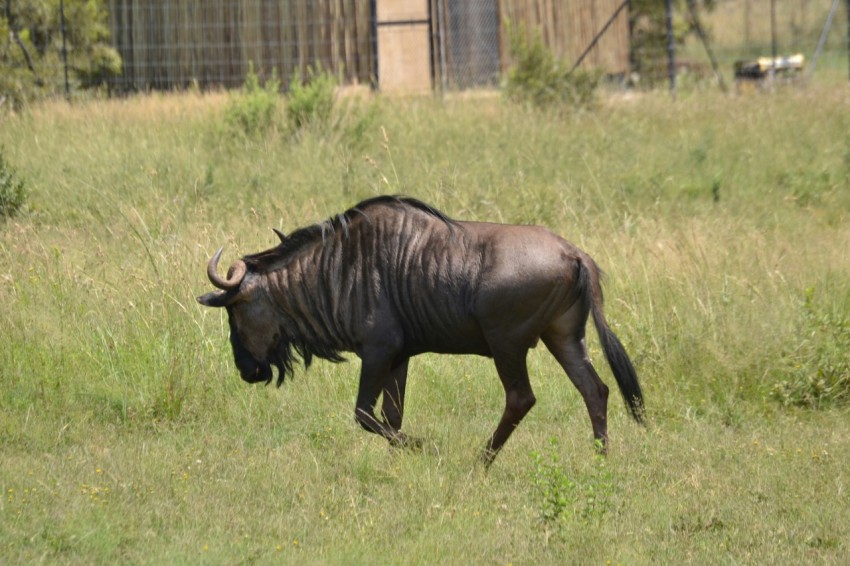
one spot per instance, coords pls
(392, 278)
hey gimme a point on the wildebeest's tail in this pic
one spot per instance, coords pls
(621, 366)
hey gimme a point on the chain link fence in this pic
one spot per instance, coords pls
(436, 45)
(469, 44)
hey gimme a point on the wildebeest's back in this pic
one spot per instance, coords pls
(451, 284)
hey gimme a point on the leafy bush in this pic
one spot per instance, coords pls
(556, 492)
(252, 112)
(102, 64)
(12, 191)
(311, 100)
(561, 498)
(31, 64)
(817, 373)
(539, 78)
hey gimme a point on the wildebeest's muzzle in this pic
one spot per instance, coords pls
(251, 369)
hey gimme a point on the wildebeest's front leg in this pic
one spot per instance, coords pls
(392, 407)
(519, 398)
(376, 374)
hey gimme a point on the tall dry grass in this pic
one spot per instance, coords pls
(127, 435)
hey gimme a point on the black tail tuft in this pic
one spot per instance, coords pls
(621, 366)
(624, 371)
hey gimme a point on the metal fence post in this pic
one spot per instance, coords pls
(64, 48)
(671, 47)
(773, 39)
(373, 30)
(848, 39)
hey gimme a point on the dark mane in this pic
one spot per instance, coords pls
(402, 200)
(270, 259)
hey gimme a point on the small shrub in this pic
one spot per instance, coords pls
(555, 491)
(12, 190)
(311, 100)
(252, 112)
(101, 66)
(539, 78)
(817, 373)
(561, 498)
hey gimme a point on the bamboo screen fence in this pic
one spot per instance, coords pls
(568, 28)
(167, 44)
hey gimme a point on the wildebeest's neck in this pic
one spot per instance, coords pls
(325, 280)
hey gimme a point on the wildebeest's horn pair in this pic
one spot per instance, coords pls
(235, 278)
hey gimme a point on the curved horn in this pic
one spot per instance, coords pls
(238, 272)
(280, 235)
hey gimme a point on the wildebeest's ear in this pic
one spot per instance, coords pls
(215, 299)
(280, 235)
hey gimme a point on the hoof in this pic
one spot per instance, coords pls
(601, 446)
(405, 442)
(487, 457)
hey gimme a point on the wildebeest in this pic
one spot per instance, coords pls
(392, 278)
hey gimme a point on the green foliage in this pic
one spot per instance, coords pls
(17, 82)
(12, 191)
(310, 101)
(817, 372)
(561, 498)
(555, 491)
(539, 78)
(253, 110)
(310, 106)
(91, 58)
(102, 64)
(31, 65)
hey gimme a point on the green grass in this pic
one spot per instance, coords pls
(127, 435)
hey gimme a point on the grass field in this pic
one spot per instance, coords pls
(127, 436)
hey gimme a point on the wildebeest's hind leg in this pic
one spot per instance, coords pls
(519, 398)
(571, 352)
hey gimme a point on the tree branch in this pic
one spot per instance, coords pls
(15, 36)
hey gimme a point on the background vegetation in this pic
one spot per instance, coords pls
(540, 79)
(31, 49)
(127, 435)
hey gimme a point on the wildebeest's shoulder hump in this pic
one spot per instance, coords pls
(400, 203)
